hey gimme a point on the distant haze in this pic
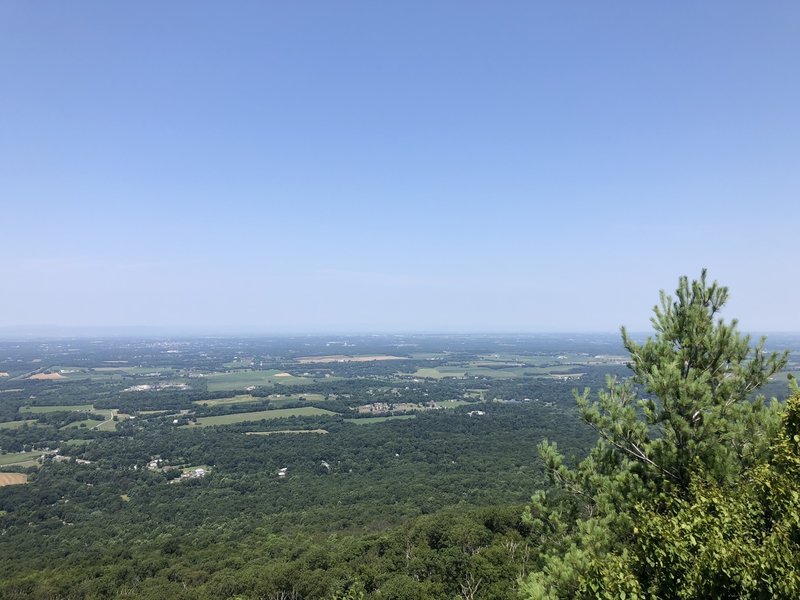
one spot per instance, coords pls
(412, 166)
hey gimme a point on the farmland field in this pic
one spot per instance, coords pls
(161, 371)
(373, 420)
(87, 423)
(220, 382)
(60, 407)
(47, 376)
(14, 458)
(306, 411)
(12, 479)
(113, 374)
(344, 358)
(308, 397)
(440, 372)
(75, 442)
(107, 425)
(486, 370)
(451, 403)
(322, 431)
(240, 399)
(16, 424)
(273, 399)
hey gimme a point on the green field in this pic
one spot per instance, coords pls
(544, 360)
(240, 399)
(16, 424)
(87, 423)
(107, 424)
(504, 373)
(452, 403)
(440, 372)
(512, 366)
(75, 442)
(18, 458)
(57, 408)
(471, 370)
(273, 399)
(239, 363)
(296, 397)
(322, 431)
(372, 420)
(116, 373)
(284, 399)
(135, 371)
(306, 411)
(483, 370)
(223, 382)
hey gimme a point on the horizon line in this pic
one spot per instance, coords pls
(10, 332)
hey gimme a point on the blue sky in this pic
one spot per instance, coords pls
(407, 166)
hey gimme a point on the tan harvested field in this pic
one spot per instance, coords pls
(12, 479)
(48, 376)
(343, 358)
(282, 375)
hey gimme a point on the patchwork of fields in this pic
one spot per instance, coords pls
(393, 387)
(222, 382)
(240, 376)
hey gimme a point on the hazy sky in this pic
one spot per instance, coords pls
(396, 166)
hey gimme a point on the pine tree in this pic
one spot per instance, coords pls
(687, 410)
(740, 540)
(699, 374)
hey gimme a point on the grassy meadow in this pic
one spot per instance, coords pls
(305, 411)
(373, 420)
(224, 382)
(16, 424)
